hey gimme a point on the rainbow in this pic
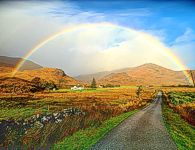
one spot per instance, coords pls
(146, 38)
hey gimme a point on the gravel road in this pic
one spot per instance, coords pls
(144, 130)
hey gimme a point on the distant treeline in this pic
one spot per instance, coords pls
(178, 86)
(110, 85)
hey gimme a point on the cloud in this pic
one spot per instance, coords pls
(186, 37)
(25, 23)
(183, 47)
(20, 30)
(160, 34)
(140, 12)
(87, 50)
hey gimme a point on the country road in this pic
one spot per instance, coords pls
(143, 131)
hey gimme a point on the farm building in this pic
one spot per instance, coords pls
(77, 88)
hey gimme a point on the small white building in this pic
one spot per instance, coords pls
(100, 86)
(76, 88)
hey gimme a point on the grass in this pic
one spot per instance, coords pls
(126, 87)
(178, 98)
(96, 90)
(181, 132)
(84, 90)
(84, 139)
(16, 113)
(97, 106)
(19, 110)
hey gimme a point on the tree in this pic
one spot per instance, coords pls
(93, 83)
(42, 84)
(138, 92)
(50, 85)
(109, 85)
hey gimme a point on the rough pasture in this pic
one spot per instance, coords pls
(94, 108)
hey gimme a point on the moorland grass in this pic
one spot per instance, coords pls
(84, 139)
(19, 113)
(84, 90)
(178, 98)
(96, 90)
(182, 133)
(16, 113)
(97, 107)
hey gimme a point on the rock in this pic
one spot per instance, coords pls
(55, 114)
(37, 116)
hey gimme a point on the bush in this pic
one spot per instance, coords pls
(46, 85)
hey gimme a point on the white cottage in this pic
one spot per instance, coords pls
(76, 88)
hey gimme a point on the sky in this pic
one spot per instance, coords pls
(141, 30)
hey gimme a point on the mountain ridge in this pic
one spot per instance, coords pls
(31, 70)
(146, 74)
(6, 61)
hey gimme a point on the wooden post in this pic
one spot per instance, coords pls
(192, 77)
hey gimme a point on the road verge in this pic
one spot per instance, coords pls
(84, 139)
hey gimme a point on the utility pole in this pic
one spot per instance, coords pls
(192, 77)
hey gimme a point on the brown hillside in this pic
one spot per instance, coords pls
(30, 70)
(48, 74)
(147, 74)
(87, 78)
(5, 71)
(17, 85)
(12, 62)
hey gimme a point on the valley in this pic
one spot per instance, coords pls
(97, 75)
(39, 108)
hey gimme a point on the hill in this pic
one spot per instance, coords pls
(87, 78)
(12, 62)
(54, 75)
(147, 74)
(17, 85)
(25, 81)
(48, 74)
(30, 70)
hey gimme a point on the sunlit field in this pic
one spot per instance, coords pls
(179, 116)
(97, 75)
(42, 119)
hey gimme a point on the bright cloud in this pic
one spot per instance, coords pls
(187, 36)
(184, 45)
(25, 23)
(103, 48)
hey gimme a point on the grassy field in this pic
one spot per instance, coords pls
(84, 90)
(15, 113)
(183, 103)
(179, 115)
(96, 106)
(100, 110)
(84, 139)
(178, 98)
(97, 89)
(181, 132)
